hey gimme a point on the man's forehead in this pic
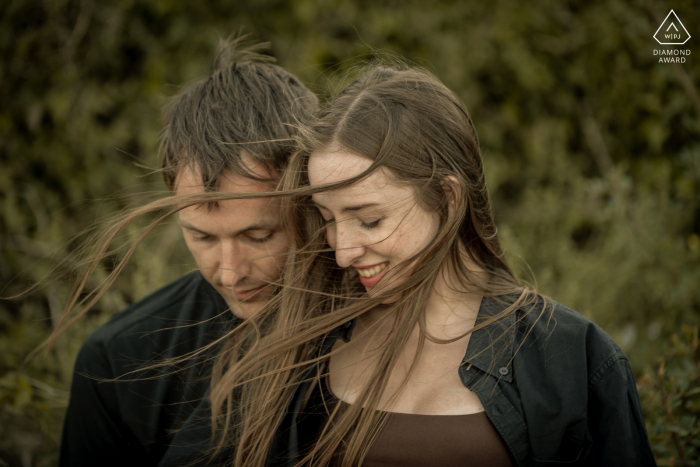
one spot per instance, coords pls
(190, 181)
(189, 178)
(232, 217)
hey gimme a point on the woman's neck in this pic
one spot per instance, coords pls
(452, 306)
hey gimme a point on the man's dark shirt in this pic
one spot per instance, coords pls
(132, 423)
(556, 387)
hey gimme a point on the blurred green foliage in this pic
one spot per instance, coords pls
(673, 385)
(591, 146)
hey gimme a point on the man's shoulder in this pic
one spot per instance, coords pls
(177, 313)
(121, 380)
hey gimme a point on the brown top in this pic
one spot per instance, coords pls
(410, 440)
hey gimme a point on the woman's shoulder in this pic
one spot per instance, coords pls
(549, 319)
(571, 383)
(557, 335)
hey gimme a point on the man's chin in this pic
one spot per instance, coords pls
(244, 309)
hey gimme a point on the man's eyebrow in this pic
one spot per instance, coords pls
(188, 226)
(356, 207)
(250, 228)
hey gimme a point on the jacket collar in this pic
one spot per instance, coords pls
(490, 349)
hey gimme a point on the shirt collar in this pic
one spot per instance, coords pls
(343, 332)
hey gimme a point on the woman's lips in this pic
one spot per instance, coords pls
(246, 294)
(369, 276)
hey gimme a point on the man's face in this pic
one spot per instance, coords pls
(238, 245)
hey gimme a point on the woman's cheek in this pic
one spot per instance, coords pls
(330, 236)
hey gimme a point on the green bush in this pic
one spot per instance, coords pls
(670, 395)
(590, 148)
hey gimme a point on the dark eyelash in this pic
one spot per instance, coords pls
(371, 225)
(368, 226)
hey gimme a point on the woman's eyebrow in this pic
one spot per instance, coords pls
(359, 206)
(349, 208)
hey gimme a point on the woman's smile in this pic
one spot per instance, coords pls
(370, 275)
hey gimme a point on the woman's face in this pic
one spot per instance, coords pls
(374, 224)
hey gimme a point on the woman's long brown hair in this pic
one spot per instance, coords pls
(407, 121)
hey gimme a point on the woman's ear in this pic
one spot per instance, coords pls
(453, 191)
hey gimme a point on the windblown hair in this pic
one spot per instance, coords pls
(246, 104)
(405, 121)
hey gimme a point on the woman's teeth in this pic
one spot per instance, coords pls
(369, 272)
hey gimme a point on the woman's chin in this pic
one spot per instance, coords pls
(374, 291)
(391, 300)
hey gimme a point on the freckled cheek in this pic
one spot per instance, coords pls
(408, 240)
(331, 237)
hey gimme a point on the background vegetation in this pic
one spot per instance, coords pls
(592, 151)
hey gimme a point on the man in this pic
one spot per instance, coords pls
(229, 132)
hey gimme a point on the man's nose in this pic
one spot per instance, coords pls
(348, 245)
(233, 264)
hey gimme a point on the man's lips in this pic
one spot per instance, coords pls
(246, 294)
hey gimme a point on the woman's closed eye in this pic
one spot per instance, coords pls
(370, 225)
(328, 219)
(363, 224)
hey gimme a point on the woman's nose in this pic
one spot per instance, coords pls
(348, 247)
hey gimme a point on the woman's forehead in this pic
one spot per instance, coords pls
(335, 165)
(378, 188)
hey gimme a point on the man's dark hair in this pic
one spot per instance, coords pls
(246, 104)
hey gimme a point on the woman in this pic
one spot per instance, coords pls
(401, 336)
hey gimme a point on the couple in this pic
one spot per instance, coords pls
(375, 320)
